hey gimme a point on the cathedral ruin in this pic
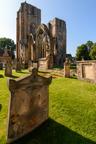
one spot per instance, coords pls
(39, 43)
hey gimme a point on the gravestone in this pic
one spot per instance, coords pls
(6, 53)
(14, 64)
(67, 68)
(86, 70)
(35, 64)
(43, 63)
(8, 69)
(29, 102)
(30, 66)
(18, 66)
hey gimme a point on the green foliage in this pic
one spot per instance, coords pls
(93, 52)
(82, 52)
(89, 44)
(7, 42)
(72, 112)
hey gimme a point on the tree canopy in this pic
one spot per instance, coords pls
(9, 44)
(82, 52)
(93, 52)
(86, 51)
(89, 44)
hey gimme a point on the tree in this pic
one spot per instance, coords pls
(82, 52)
(93, 52)
(9, 44)
(89, 45)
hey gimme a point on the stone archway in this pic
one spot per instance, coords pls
(43, 44)
(43, 47)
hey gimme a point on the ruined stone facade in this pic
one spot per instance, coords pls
(38, 42)
(28, 19)
(57, 28)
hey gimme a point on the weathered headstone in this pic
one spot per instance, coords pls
(18, 65)
(6, 53)
(86, 70)
(43, 64)
(67, 69)
(14, 64)
(35, 65)
(28, 104)
(8, 69)
(30, 66)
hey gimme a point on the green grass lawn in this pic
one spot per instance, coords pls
(72, 113)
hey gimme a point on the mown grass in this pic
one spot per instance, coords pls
(72, 112)
(73, 104)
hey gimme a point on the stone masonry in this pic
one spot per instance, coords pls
(39, 42)
(28, 19)
(86, 70)
(67, 69)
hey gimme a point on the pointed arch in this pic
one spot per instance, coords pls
(43, 42)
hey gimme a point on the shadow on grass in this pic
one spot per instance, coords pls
(0, 107)
(44, 72)
(52, 132)
(13, 76)
(73, 77)
(22, 72)
(1, 76)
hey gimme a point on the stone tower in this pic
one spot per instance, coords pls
(28, 20)
(39, 43)
(57, 28)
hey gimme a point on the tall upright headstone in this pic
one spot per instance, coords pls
(18, 66)
(8, 69)
(67, 68)
(29, 104)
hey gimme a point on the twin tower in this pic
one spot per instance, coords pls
(36, 42)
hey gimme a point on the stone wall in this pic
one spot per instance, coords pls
(86, 70)
(28, 107)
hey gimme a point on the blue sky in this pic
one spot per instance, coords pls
(80, 17)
